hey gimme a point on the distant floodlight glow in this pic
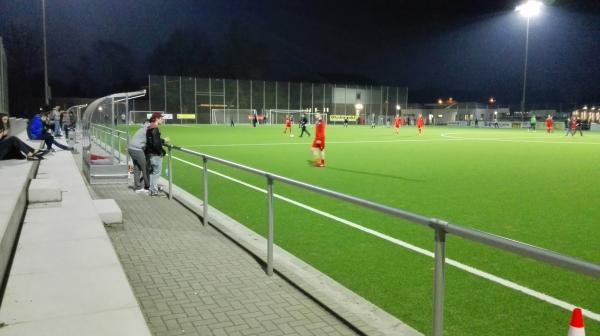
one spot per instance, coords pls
(358, 106)
(530, 8)
(397, 107)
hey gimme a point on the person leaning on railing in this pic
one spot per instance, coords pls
(155, 151)
(136, 149)
(12, 147)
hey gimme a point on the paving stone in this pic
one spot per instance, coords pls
(191, 280)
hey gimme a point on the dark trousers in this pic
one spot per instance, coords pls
(304, 131)
(13, 148)
(49, 140)
(140, 168)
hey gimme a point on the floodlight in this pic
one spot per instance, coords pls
(530, 8)
(397, 107)
(358, 106)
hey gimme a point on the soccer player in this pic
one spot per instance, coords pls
(573, 125)
(397, 123)
(345, 122)
(420, 124)
(288, 125)
(532, 123)
(303, 122)
(318, 145)
(549, 124)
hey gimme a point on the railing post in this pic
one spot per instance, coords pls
(112, 142)
(119, 146)
(205, 210)
(271, 227)
(438, 291)
(170, 171)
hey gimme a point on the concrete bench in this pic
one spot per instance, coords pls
(66, 278)
(44, 191)
(109, 211)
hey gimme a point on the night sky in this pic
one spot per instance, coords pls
(470, 50)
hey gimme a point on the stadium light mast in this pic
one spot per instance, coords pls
(46, 93)
(528, 9)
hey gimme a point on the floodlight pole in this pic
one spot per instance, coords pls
(525, 70)
(46, 93)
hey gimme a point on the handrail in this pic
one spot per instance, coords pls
(112, 132)
(507, 244)
(440, 227)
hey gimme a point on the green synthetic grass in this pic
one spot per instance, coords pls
(537, 188)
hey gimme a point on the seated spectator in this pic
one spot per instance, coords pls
(12, 147)
(40, 129)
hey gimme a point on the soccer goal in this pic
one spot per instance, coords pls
(138, 117)
(278, 116)
(226, 116)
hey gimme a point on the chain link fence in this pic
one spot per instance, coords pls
(190, 100)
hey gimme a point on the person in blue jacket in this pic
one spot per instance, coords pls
(39, 129)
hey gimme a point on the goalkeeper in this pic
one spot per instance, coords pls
(303, 123)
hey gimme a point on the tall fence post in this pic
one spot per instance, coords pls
(170, 171)
(205, 209)
(270, 236)
(438, 292)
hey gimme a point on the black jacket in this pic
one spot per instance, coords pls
(154, 144)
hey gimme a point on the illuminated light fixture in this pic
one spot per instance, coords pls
(398, 107)
(530, 8)
(492, 100)
(100, 108)
(450, 99)
(585, 107)
(358, 106)
(440, 101)
(440, 116)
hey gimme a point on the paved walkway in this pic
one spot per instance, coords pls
(191, 280)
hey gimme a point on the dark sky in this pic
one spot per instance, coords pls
(466, 49)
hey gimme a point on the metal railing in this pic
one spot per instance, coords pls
(106, 136)
(440, 227)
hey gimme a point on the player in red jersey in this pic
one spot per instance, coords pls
(549, 124)
(318, 145)
(397, 123)
(573, 125)
(288, 125)
(420, 124)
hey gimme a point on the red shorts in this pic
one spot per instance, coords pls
(320, 146)
(397, 125)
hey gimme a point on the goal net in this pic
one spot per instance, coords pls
(139, 117)
(238, 116)
(278, 116)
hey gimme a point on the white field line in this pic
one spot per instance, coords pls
(453, 136)
(466, 268)
(445, 136)
(329, 142)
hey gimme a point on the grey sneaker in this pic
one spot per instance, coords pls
(142, 191)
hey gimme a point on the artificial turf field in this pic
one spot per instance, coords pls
(538, 188)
